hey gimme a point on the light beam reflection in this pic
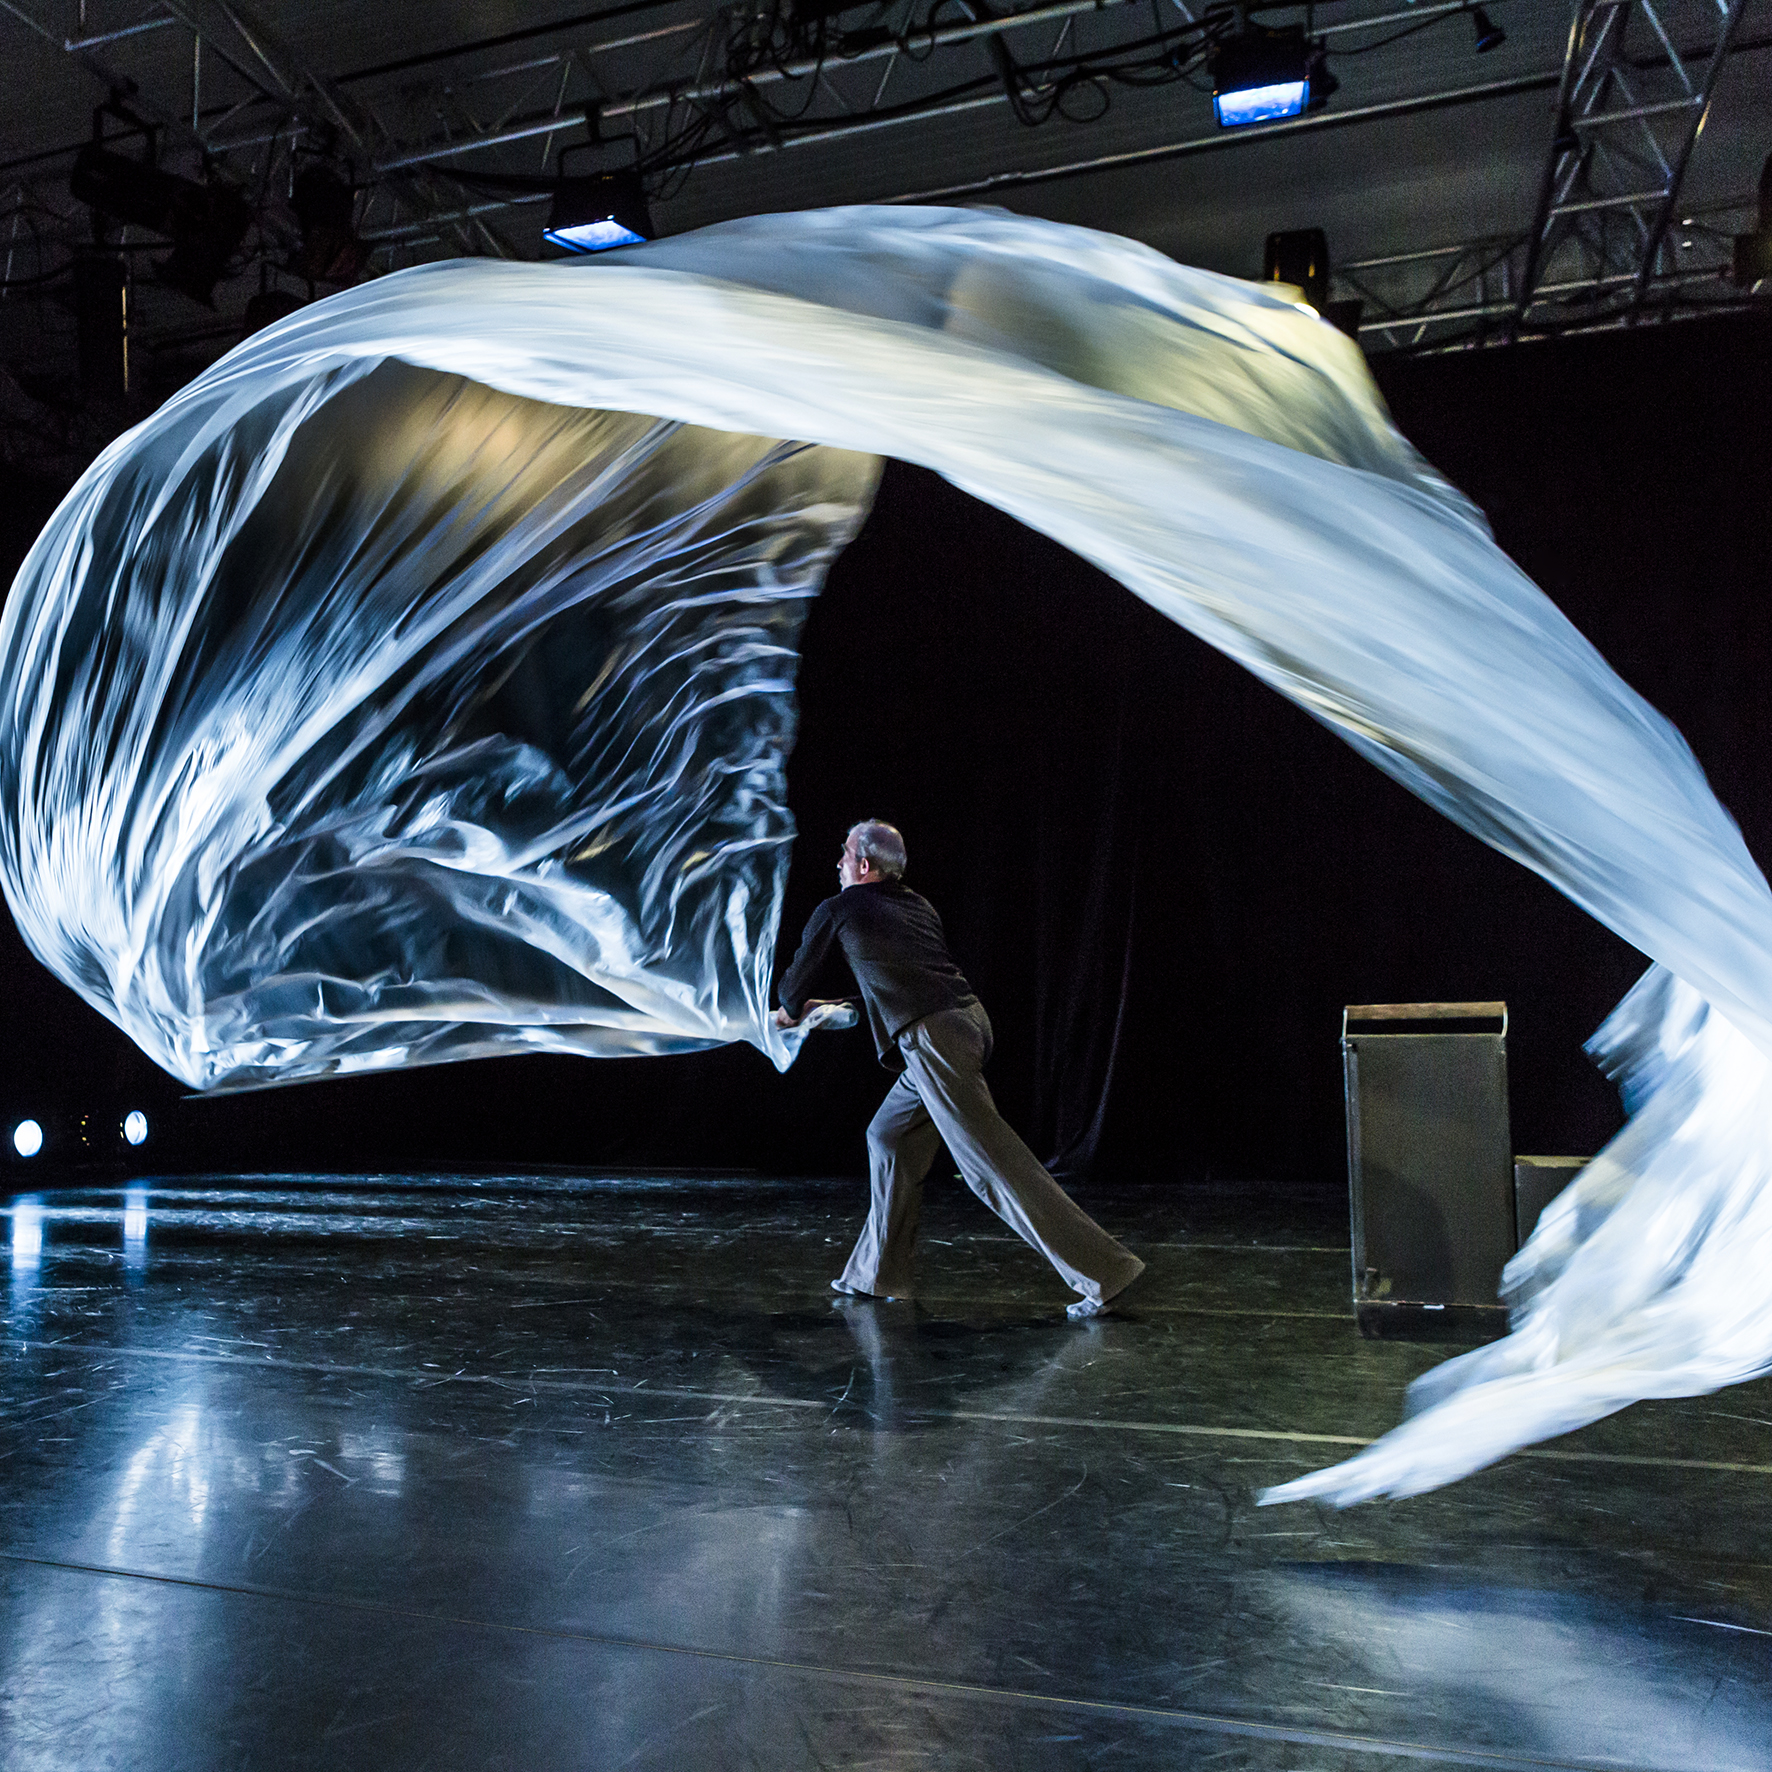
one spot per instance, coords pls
(1626, 1689)
(135, 1230)
(27, 1237)
(164, 1490)
(376, 1452)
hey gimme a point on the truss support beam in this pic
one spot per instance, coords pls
(1698, 116)
(1630, 108)
(255, 52)
(1461, 296)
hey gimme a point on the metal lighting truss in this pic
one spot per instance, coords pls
(433, 136)
(444, 143)
(677, 92)
(836, 94)
(1610, 239)
(900, 74)
(1612, 179)
(733, 101)
(297, 108)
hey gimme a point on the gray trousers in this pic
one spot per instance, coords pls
(942, 1097)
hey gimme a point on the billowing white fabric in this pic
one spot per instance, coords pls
(277, 797)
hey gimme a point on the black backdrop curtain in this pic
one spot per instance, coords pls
(1164, 881)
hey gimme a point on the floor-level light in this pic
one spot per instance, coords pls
(135, 1127)
(27, 1138)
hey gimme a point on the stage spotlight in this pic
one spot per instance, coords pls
(27, 1138)
(126, 190)
(1489, 34)
(266, 309)
(594, 214)
(1260, 75)
(135, 1127)
(101, 322)
(326, 208)
(1300, 256)
(205, 223)
(1753, 252)
(207, 227)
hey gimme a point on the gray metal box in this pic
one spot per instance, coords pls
(1538, 1181)
(1430, 1166)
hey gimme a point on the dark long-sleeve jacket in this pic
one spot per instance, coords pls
(893, 940)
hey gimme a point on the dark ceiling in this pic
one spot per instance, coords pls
(443, 122)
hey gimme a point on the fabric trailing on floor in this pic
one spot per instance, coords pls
(417, 684)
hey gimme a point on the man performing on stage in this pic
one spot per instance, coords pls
(928, 1026)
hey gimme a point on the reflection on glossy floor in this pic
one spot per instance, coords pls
(545, 1472)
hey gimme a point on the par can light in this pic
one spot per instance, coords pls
(27, 1138)
(1260, 76)
(594, 214)
(135, 1127)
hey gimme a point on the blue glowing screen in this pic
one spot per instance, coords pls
(593, 236)
(1261, 104)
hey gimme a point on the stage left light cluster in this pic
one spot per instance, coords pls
(83, 1140)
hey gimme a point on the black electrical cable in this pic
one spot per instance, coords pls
(669, 155)
(1123, 65)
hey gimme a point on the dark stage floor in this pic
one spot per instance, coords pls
(554, 1473)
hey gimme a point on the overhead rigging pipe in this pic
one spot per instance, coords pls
(937, 37)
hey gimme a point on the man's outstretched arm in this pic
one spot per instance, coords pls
(815, 948)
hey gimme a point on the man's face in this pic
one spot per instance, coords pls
(852, 867)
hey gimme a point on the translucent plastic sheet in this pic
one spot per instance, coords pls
(357, 709)
(385, 718)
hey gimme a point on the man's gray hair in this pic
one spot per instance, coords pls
(882, 844)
